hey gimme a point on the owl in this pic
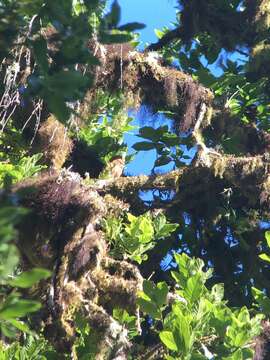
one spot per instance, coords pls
(114, 168)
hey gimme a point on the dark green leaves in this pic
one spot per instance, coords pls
(112, 38)
(197, 314)
(70, 84)
(113, 18)
(131, 26)
(143, 146)
(61, 87)
(16, 307)
(12, 306)
(148, 132)
(163, 228)
(162, 160)
(41, 55)
(135, 238)
(153, 298)
(164, 142)
(262, 300)
(29, 278)
(9, 216)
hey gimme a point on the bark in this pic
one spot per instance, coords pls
(249, 176)
(62, 233)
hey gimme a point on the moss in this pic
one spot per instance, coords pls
(262, 15)
(53, 142)
(143, 79)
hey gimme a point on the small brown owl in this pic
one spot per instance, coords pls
(114, 168)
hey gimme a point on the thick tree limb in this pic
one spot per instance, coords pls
(144, 80)
(131, 184)
(242, 173)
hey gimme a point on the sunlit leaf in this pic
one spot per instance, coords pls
(267, 237)
(18, 309)
(264, 257)
(29, 278)
(168, 340)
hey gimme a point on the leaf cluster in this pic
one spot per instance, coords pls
(166, 144)
(199, 324)
(134, 238)
(12, 305)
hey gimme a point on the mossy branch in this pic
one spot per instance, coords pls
(131, 184)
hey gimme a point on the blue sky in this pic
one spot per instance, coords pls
(154, 14)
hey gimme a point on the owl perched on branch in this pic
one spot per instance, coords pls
(114, 169)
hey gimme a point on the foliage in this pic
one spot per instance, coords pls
(133, 239)
(33, 348)
(57, 82)
(264, 256)
(26, 167)
(104, 133)
(12, 305)
(199, 324)
(222, 44)
(85, 346)
(15, 162)
(165, 143)
(15, 166)
(129, 321)
(262, 300)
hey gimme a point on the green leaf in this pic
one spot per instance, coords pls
(20, 326)
(168, 340)
(170, 139)
(267, 237)
(149, 288)
(237, 355)
(179, 278)
(218, 292)
(159, 33)
(156, 293)
(264, 257)
(58, 107)
(161, 293)
(115, 14)
(166, 230)
(131, 26)
(149, 308)
(29, 278)
(148, 132)
(18, 308)
(194, 288)
(143, 146)
(162, 160)
(7, 331)
(205, 77)
(182, 335)
(108, 38)
(67, 84)
(147, 230)
(262, 300)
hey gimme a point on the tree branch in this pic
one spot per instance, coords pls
(131, 184)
